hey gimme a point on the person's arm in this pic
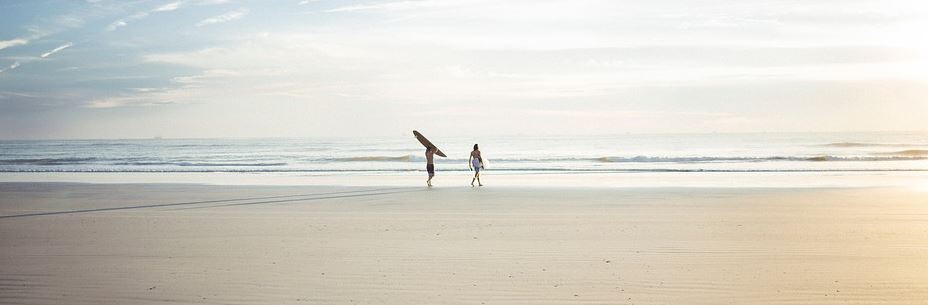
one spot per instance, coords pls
(469, 166)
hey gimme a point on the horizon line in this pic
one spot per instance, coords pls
(497, 135)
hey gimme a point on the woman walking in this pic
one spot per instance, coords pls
(475, 163)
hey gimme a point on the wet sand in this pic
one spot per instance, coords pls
(68, 243)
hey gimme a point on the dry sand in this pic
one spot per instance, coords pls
(163, 243)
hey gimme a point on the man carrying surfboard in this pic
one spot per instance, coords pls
(430, 151)
(429, 163)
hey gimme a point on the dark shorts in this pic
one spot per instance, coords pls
(431, 169)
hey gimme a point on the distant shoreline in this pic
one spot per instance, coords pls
(802, 179)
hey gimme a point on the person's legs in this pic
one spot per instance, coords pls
(431, 169)
(476, 177)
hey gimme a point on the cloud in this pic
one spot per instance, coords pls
(185, 90)
(30, 58)
(107, 103)
(125, 21)
(51, 25)
(399, 5)
(140, 15)
(56, 50)
(144, 100)
(168, 7)
(11, 67)
(101, 104)
(15, 94)
(233, 15)
(210, 2)
(12, 42)
(305, 2)
(116, 24)
(70, 21)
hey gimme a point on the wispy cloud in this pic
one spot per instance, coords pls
(106, 103)
(11, 67)
(186, 90)
(70, 21)
(128, 101)
(210, 2)
(305, 2)
(12, 42)
(397, 5)
(233, 15)
(362, 7)
(125, 21)
(172, 6)
(8, 94)
(56, 50)
(116, 24)
(28, 59)
(168, 7)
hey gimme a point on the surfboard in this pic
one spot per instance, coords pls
(428, 144)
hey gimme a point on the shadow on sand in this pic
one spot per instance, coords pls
(277, 199)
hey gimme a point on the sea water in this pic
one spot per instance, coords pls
(684, 153)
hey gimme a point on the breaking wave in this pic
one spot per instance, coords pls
(648, 159)
(911, 153)
(859, 144)
(48, 161)
(405, 158)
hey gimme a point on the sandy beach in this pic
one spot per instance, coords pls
(70, 243)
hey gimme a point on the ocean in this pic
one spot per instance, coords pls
(746, 152)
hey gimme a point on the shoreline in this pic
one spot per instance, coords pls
(910, 179)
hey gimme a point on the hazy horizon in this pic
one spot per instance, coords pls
(102, 69)
(405, 133)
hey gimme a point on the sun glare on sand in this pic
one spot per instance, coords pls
(922, 187)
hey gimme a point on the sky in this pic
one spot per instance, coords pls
(316, 68)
